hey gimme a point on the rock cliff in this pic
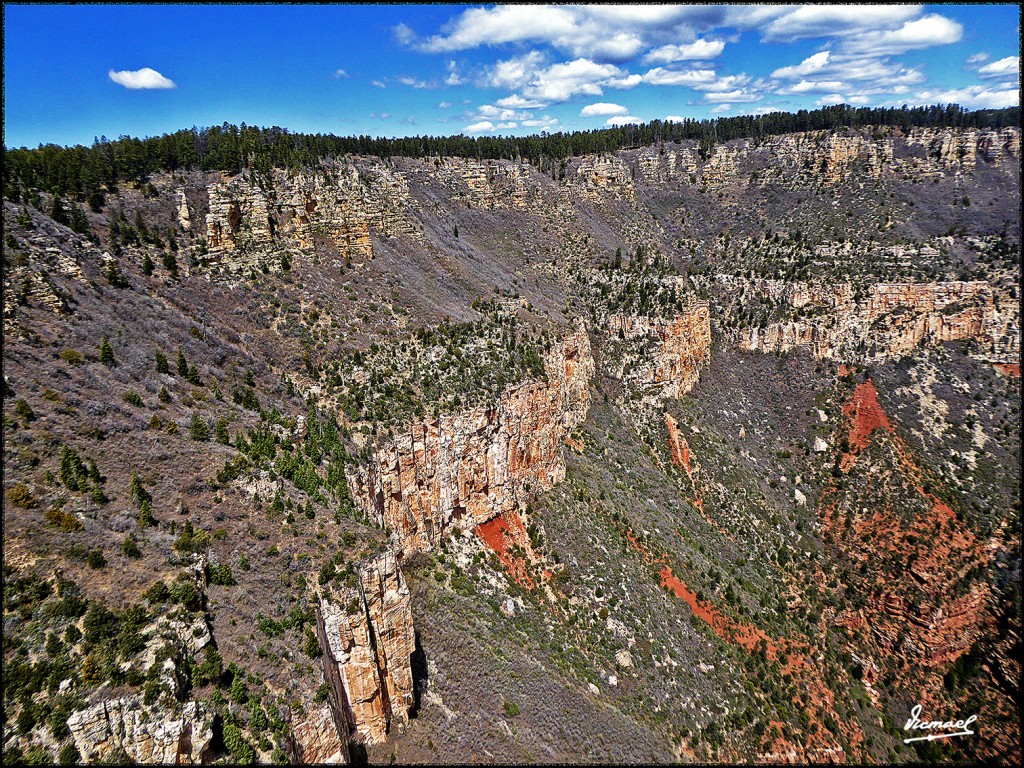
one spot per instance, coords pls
(890, 319)
(344, 204)
(145, 734)
(468, 467)
(366, 633)
(661, 357)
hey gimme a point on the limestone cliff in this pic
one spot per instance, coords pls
(828, 157)
(468, 467)
(488, 184)
(344, 203)
(366, 633)
(147, 734)
(889, 319)
(661, 357)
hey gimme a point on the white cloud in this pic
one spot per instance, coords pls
(721, 108)
(832, 98)
(444, 105)
(141, 79)
(410, 120)
(503, 24)
(674, 119)
(812, 86)
(603, 108)
(413, 82)
(560, 82)
(689, 77)
(480, 127)
(806, 67)
(381, 116)
(699, 49)
(799, 22)
(540, 122)
(518, 102)
(517, 72)
(1008, 67)
(404, 34)
(453, 74)
(925, 32)
(615, 122)
(977, 59)
(340, 73)
(972, 97)
(378, 84)
(738, 95)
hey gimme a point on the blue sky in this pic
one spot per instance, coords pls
(72, 73)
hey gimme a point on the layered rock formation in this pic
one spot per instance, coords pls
(489, 184)
(890, 319)
(184, 215)
(368, 639)
(344, 204)
(828, 157)
(468, 467)
(598, 177)
(662, 357)
(146, 734)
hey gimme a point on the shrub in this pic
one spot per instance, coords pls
(24, 411)
(21, 496)
(72, 357)
(130, 547)
(221, 575)
(511, 708)
(132, 398)
(95, 558)
(63, 520)
(237, 745)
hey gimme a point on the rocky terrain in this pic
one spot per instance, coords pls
(673, 453)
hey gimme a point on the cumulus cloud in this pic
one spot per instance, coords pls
(603, 108)
(615, 122)
(540, 122)
(688, 77)
(800, 22)
(1008, 67)
(516, 101)
(444, 105)
(560, 82)
(480, 127)
(340, 73)
(517, 72)
(808, 66)
(812, 86)
(699, 49)
(925, 32)
(973, 97)
(720, 108)
(413, 82)
(141, 79)
(674, 119)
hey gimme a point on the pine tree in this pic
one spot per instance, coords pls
(198, 429)
(182, 364)
(107, 353)
(147, 265)
(161, 362)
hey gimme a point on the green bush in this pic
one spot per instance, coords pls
(21, 496)
(24, 411)
(132, 398)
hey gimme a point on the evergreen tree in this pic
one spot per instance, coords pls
(147, 265)
(161, 362)
(198, 429)
(107, 353)
(182, 364)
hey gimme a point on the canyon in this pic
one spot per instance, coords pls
(737, 492)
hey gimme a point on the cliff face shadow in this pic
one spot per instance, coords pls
(418, 662)
(357, 755)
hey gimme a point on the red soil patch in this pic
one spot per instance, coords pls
(502, 534)
(865, 415)
(1008, 369)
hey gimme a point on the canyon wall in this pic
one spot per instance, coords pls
(146, 734)
(827, 157)
(661, 357)
(343, 204)
(467, 467)
(367, 635)
(889, 319)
